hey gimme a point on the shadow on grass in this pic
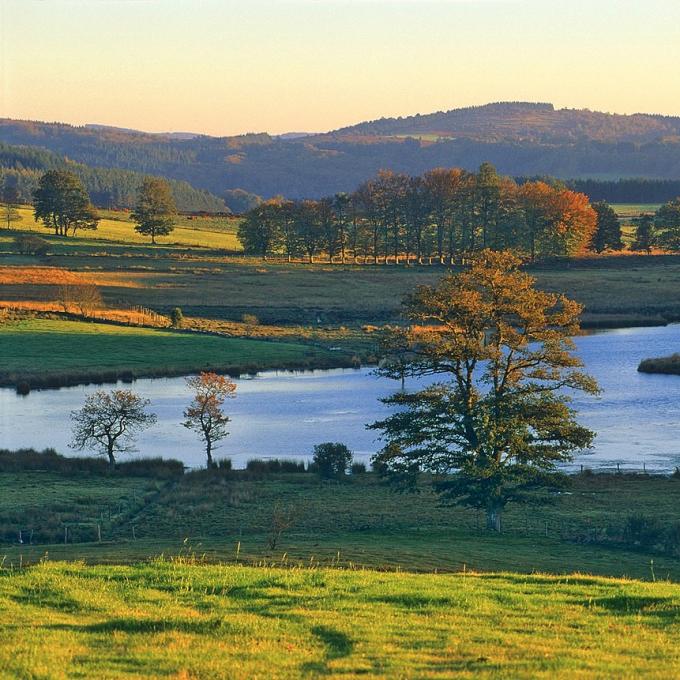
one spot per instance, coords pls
(337, 646)
(411, 601)
(133, 626)
(666, 609)
(50, 598)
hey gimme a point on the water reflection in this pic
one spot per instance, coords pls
(637, 417)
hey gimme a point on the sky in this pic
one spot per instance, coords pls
(225, 67)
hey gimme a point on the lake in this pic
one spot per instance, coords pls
(282, 415)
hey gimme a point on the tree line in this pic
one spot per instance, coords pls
(442, 215)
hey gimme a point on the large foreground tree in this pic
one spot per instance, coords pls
(496, 422)
(110, 421)
(155, 210)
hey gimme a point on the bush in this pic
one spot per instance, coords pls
(332, 459)
(49, 459)
(640, 530)
(671, 540)
(176, 317)
(274, 465)
(358, 468)
(28, 244)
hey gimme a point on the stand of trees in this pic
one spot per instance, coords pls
(61, 203)
(444, 214)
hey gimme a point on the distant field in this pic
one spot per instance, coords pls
(204, 232)
(38, 348)
(182, 620)
(631, 210)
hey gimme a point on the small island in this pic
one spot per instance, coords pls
(668, 365)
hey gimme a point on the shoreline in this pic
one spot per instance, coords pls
(25, 382)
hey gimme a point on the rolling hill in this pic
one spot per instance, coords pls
(521, 139)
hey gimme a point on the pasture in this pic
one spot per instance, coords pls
(359, 522)
(176, 618)
(116, 227)
(40, 351)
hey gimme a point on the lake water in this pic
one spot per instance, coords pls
(282, 415)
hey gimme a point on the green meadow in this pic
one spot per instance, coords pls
(39, 350)
(178, 619)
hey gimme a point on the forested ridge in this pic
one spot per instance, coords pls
(22, 166)
(520, 139)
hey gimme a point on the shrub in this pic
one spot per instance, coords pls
(49, 459)
(28, 244)
(176, 317)
(274, 465)
(358, 468)
(332, 459)
(640, 530)
(671, 540)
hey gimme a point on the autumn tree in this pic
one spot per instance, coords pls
(496, 423)
(607, 234)
(109, 422)
(205, 414)
(155, 211)
(61, 203)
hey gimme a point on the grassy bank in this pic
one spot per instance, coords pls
(228, 517)
(49, 352)
(178, 619)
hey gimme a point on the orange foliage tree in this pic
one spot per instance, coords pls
(205, 414)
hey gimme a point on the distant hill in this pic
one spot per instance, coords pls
(521, 139)
(522, 122)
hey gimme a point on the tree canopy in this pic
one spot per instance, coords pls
(205, 414)
(110, 421)
(62, 204)
(492, 421)
(445, 214)
(155, 210)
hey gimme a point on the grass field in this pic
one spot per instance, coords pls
(182, 620)
(38, 349)
(202, 232)
(359, 522)
(628, 211)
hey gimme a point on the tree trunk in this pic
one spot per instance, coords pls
(493, 517)
(112, 458)
(208, 453)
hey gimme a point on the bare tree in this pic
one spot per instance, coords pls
(84, 297)
(205, 415)
(282, 519)
(109, 422)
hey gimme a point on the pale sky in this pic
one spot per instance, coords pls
(226, 67)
